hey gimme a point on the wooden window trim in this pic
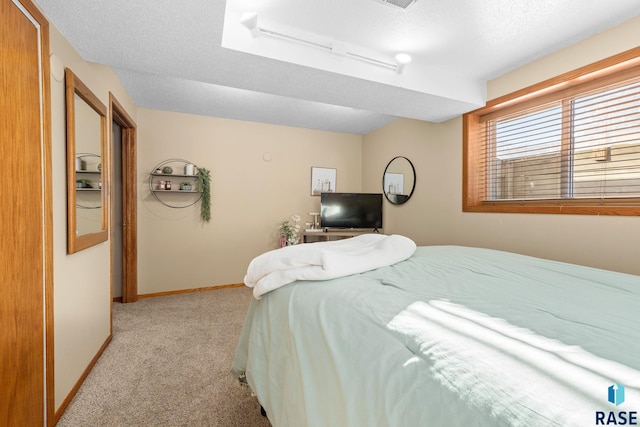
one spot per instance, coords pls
(608, 70)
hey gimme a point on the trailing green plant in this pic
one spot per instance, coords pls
(203, 185)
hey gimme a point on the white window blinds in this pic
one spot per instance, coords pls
(580, 144)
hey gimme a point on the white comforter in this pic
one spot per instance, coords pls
(325, 260)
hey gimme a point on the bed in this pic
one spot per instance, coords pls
(451, 336)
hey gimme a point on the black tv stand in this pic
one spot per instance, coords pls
(375, 230)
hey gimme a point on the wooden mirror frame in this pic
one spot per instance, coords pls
(74, 86)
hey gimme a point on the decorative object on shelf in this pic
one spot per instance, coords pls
(323, 180)
(203, 186)
(185, 186)
(88, 163)
(81, 165)
(315, 225)
(168, 193)
(289, 231)
(189, 169)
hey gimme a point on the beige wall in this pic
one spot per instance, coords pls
(421, 143)
(250, 195)
(81, 281)
(434, 215)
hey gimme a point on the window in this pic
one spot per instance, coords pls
(568, 145)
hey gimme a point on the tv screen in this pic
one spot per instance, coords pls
(351, 210)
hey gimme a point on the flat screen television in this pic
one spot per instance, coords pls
(351, 210)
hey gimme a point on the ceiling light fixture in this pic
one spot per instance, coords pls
(250, 21)
(402, 59)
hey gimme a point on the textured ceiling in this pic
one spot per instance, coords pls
(194, 56)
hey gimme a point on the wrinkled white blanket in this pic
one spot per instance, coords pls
(325, 260)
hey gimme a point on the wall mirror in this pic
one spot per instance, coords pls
(87, 179)
(399, 180)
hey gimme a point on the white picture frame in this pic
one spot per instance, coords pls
(323, 180)
(393, 183)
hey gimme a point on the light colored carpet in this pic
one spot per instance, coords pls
(168, 364)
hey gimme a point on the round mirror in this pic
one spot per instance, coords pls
(399, 180)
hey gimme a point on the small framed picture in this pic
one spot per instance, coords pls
(323, 180)
(393, 183)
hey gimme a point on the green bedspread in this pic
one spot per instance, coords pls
(453, 336)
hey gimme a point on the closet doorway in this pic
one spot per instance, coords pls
(124, 217)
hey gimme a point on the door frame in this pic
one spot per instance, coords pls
(118, 114)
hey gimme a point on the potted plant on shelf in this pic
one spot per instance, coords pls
(82, 183)
(185, 186)
(203, 186)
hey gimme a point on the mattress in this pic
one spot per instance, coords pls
(453, 336)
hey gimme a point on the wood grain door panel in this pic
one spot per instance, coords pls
(22, 218)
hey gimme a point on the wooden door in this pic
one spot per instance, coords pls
(25, 216)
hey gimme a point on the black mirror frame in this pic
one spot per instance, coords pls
(413, 169)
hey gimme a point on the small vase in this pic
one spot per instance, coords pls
(283, 241)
